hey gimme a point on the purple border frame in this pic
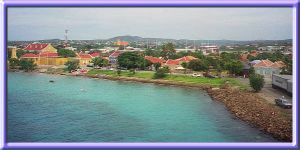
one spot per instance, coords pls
(154, 3)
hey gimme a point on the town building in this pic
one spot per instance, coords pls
(267, 67)
(84, 58)
(40, 47)
(209, 49)
(113, 58)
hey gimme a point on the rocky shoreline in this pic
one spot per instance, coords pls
(245, 105)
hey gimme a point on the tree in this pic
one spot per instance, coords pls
(288, 68)
(161, 73)
(234, 67)
(130, 60)
(13, 63)
(66, 53)
(256, 82)
(156, 66)
(97, 61)
(72, 65)
(168, 51)
(27, 65)
(198, 65)
(154, 53)
(251, 70)
(184, 65)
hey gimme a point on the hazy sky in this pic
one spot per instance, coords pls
(176, 23)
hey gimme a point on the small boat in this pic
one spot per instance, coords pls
(51, 81)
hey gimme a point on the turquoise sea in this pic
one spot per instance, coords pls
(79, 109)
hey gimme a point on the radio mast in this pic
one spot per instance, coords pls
(66, 38)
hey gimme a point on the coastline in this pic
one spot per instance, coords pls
(244, 105)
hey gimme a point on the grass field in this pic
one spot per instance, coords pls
(215, 82)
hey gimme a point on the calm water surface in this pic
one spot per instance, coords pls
(93, 110)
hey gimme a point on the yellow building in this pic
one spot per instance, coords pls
(84, 58)
(40, 47)
(46, 54)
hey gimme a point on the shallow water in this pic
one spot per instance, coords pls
(78, 109)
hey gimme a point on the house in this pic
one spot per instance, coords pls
(113, 58)
(84, 59)
(40, 47)
(209, 49)
(267, 67)
(95, 54)
(172, 64)
(154, 60)
(254, 62)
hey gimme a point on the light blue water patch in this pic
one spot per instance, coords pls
(79, 109)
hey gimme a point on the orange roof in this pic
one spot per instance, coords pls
(124, 43)
(154, 59)
(84, 55)
(277, 64)
(29, 55)
(172, 62)
(264, 63)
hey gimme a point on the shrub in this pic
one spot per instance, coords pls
(27, 65)
(72, 65)
(13, 63)
(161, 73)
(256, 82)
(119, 72)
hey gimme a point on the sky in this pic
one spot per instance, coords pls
(175, 23)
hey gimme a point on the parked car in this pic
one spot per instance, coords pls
(282, 102)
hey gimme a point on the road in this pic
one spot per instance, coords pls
(268, 92)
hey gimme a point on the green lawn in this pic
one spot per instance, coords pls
(216, 82)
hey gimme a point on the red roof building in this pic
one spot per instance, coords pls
(264, 63)
(115, 54)
(154, 59)
(84, 56)
(40, 47)
(172, 62)
(95, 54)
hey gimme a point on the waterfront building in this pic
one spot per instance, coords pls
(84, 58)
(172, 64)
(40, 47)
(267, 67)
(45, 54)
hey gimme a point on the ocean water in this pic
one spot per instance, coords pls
(79, 109)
